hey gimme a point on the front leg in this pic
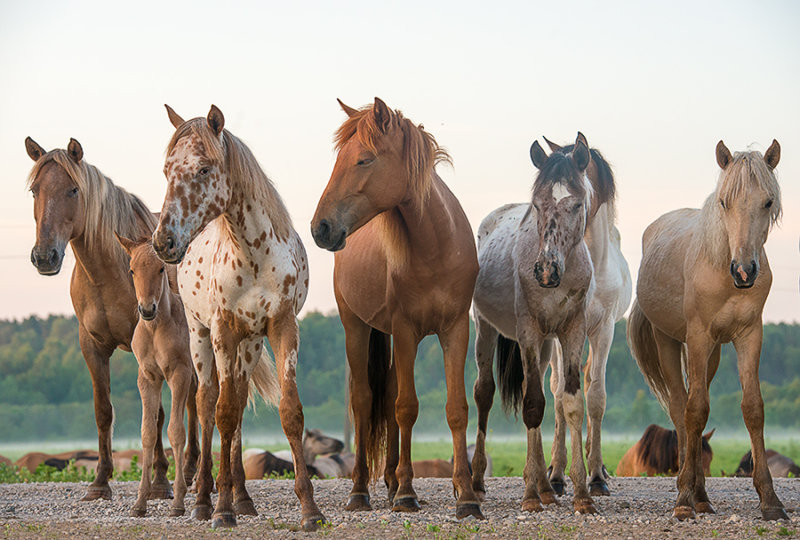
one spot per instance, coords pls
(150, 391)
(483, 392)
(595, 391)
(558, 454)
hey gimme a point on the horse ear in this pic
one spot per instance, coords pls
(582, 138)
(75, 150)
(383, 115)
(724, 156)
(126, 243)
(215, 120)
(174, 117)
(708, 435)
(580, 154)
(553, 146)
(773, 155)
(34, 150)
(538, 155)
(350, 111)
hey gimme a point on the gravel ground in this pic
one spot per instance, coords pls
(638, 508)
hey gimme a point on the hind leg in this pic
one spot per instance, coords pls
(558, 454)
(242, 503)
(483, 392)
(595, 390)
(193, 447)
(160, 488)
(669, 358)
(406, 411)
(392, 436)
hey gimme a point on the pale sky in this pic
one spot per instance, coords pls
(653, 86)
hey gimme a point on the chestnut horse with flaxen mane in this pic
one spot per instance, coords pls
(405, 268)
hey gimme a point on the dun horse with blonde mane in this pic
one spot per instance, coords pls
(243, 275)
(703, 282)
(75, 203)
(405, 267)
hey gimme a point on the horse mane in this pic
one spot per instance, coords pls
(561, 168)
(658, 448)
(746, 174)
(242, 168)
(605, 190)
(109, 208)
(421, 152)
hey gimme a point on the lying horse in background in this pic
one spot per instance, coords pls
(325, 454)
(440, 468)
(5, 461)
(260, 463)
(657, 453)
(82, 458)
(779, 465)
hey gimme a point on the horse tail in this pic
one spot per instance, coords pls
(264, 380)
(510, 374)
(379, 375)
(642, 344)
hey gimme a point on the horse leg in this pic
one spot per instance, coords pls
(206, 400)
(392, 435)
(285, 333)
(242, 502)
(532, 413)
(406, 411)
(669, 358)
(179, 384)
(483, 392)
(193, 447)
(160, 488)
(150, 391)
(748, 350)
(544, 486)
(572, 342)
(558, 454)
(455, 343)
(97, 360)
(701, 501)
(595, 390)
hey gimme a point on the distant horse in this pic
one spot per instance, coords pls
(440, 468)
(161, 345)
(657, 453)
(5, 461)
(535, 286)
(611, 298)
(405, 268)
(74, 202)
(325, 454)
(82, 458)
(780, 466)
(259, 463)
(243, 275)
(703, 281)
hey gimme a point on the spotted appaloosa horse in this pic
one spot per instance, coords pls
(535, 286)
(243, 275)
(75, 203)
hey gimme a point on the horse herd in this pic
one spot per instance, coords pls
(195, 289)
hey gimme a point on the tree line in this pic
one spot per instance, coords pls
(46, 390)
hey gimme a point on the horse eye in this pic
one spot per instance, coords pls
(769, 204)
(363, 162)
(722, 203)
(161, 271)
(577, 207)
(73, 192)
(204, 171)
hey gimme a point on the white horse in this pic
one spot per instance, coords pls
(243, 275)
(612, 296)
(533, 257)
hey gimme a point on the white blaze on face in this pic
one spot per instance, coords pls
(560, 191)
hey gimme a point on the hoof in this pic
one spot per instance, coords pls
(160, 492)
(224, 520)
(391, 495)
(480, 494)
(558, 485)
(94, 493)
(138, 512)
(548, 497)
(584, 506)
(201, 512)
(245, 507)
(359, 502)
(598, 487)
(177, 512)
(312, 523)
(469, 509)
(772, 514)
(682, 513)
(532, 505)
(704, 508)
(405, 504)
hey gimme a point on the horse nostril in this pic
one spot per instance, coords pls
(53, 256)
(324, 229)
(170, 242)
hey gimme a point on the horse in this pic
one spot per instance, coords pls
(5, 461)
(657, 453)
(75, 203)
(440, 468)
(703, 281)
(780, 466)
(611, 298)
(325, 454)
(534, 287)
(242, 275)
(161, 345)
(32, 460)
(260, 463)
(405, 267)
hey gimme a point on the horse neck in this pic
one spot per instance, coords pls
(598, 236)
(165, 302)
(98, 260)
(711, 241)
(248, 226)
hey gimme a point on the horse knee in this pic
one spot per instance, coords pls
(533, 410)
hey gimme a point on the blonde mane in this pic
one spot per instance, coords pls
(421, 152)
(108, 207)
(242, 168)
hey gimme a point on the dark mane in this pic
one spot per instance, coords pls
(557, 169)
(603, 184)
(658, 448)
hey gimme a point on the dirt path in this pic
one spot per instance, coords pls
(638, 508)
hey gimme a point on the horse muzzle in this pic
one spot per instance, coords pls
(328, 236)
(167, 247)
(47, 260)
(547, 274)
(744, 275)
(147, 313)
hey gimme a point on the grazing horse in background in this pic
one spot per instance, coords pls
(535, 286)
(703, 281)
(657, 453)
(611, 298)
(161, 345)
(74, 202)
(405, 268)
(780, 466)
(243, 275)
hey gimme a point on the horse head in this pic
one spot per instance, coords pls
(148, 273)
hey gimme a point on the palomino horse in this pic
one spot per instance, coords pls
(703, 281)
(657, 453)
(161, 345)
(74, 202)
(243, 275)
(535, 285)
(407, 270)
(612, 295)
